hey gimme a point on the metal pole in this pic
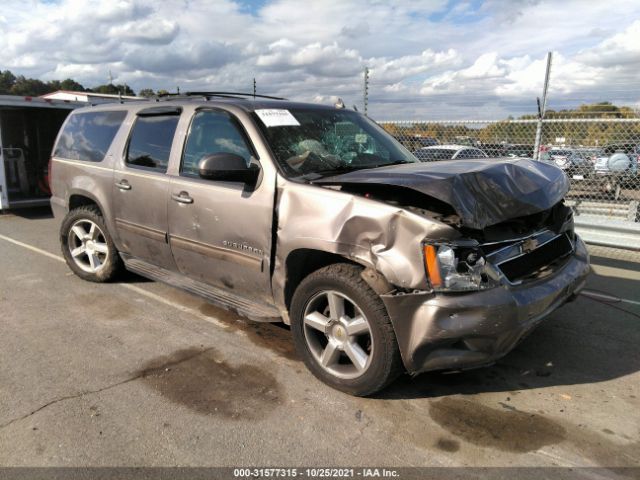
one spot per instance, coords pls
(366, 90)
(542, 109)
(254, 87)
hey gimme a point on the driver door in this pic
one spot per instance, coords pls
(220, 231)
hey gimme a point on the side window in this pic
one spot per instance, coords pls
(150, 142)
(212, 132)
(88, 136)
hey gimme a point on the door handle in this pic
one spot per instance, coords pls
(182, 197)
(123, 185)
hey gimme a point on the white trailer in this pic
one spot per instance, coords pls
(28, 129)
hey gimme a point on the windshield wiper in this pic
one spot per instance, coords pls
(395, 162)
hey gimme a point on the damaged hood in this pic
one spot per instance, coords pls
(482, 192)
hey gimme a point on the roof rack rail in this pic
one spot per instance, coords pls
(219, 94)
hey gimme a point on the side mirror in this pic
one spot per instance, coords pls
(227, 167)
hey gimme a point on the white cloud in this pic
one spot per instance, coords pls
(314, 58)
(486, 66)
(150, 30)
(425, 58)
(396, 69)
(620, 49)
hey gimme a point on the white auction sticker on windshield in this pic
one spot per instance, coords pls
(277, 117)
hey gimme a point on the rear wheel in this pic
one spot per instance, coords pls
(342, 331)
(87, 246)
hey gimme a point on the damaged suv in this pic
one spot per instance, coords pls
(315, 216)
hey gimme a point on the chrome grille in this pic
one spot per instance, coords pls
(532, 255)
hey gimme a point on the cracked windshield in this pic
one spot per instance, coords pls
(317, 143)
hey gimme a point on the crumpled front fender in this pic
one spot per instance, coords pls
(383, 237)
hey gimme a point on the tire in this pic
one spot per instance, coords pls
(100, 261)
(318, 334)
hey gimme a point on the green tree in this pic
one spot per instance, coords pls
(7, 79)
(110, 88)
(70, 84)
(54, 85)
(146, 92)
(28, 87)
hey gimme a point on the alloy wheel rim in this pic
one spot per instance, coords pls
(88, 246)
(338, 334)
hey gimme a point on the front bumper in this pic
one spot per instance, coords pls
(467, 330)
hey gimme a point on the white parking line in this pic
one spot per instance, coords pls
(138, 290)
(606, 297)
(32, 248)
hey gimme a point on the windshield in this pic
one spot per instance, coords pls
(322, 142)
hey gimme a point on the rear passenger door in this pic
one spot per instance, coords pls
(141, 187)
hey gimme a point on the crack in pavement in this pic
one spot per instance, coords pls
(142, 374)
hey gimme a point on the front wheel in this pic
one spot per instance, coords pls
(343, 332)
(87, 246)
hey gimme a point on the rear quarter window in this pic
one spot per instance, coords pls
(88, 136)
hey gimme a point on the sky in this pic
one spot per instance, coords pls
(432, 59)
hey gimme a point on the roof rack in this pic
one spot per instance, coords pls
(219, 94)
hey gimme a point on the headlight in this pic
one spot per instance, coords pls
(452, 268)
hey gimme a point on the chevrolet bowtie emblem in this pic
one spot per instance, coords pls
(529, 245)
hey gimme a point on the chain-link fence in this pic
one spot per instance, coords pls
(600, 156)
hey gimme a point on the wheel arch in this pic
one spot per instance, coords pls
(81, 199)
(302, 262)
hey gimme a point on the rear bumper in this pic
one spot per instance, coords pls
(467, 330)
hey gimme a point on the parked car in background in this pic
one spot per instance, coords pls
(315, 216)
(494, 149)
(568, 160)
(618, 159)
(617, 167)
(448, 152)
(590, 153)
(519, 150)
(514, 150)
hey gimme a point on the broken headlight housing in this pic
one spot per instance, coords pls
(456, 268)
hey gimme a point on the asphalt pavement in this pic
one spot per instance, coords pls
(137, 373)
